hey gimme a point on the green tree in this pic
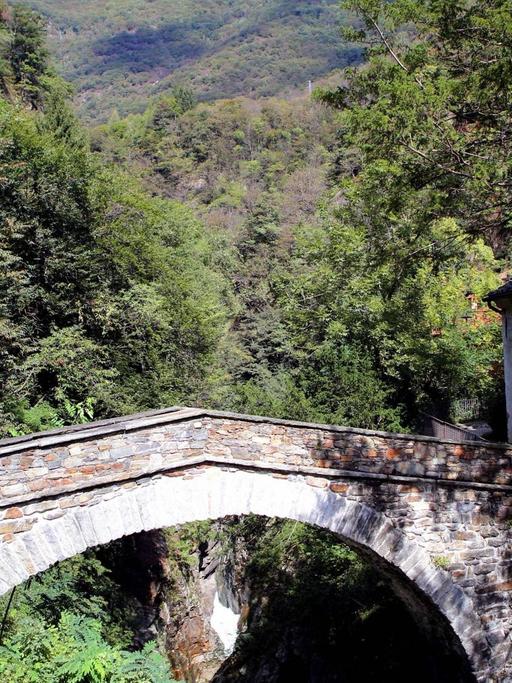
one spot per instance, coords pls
(420, 179)
(28, 53)
(107, 297)
(432, 106)
(5, 43)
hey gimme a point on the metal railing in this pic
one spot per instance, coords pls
(433, 426)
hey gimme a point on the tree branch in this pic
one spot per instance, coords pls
(391, 51)
(444, 168)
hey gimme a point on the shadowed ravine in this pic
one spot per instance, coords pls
(310, 609)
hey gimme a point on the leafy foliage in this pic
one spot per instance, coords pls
(107, 301)
(346, 304)
(350, 302)
(73, 624)
(422, 183)
(433, 104)
(75, 652)
(28, 54)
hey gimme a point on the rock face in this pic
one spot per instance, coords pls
(211, 581)
(140, 565)
(195, 650)
(175, 590)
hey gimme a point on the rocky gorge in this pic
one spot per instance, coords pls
(296, 601)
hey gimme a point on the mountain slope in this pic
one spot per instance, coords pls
(117, 53)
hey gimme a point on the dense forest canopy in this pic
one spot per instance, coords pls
(272, 257)
(102, 285)
(435, 103)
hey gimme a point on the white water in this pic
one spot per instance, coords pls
(224, 622)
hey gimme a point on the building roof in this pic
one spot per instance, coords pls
(502, 292)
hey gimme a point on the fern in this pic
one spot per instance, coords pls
(147, 666)
(91, 659)
(74, 651)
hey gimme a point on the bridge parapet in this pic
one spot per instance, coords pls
(53, 463)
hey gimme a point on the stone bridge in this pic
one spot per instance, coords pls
(436, 516)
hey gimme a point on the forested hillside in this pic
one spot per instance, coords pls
(272, 257)
(343, 310)
(119, 53)
(103, 286)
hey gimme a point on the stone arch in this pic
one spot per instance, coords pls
(213, 493)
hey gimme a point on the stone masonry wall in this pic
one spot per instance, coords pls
(440, 512)
(76, 459)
